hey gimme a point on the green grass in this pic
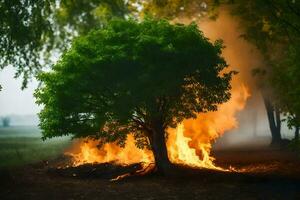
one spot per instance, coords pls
(23, 145)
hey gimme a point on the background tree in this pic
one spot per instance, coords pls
(24, 27)
(5, 121)
(130, 77)
(274, 27)
(287, 86)
(32, 31)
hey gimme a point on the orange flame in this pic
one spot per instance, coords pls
(87, 151)
(188, 144)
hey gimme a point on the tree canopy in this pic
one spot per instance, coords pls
(133, 77)
(23, 30)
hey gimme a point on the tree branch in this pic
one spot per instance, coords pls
(273, 7)
(142, 124)
(295, 11)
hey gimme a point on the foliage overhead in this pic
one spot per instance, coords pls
(130, 76)
(22, 34)
(171, 9)
(34, 30)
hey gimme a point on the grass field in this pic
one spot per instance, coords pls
(21, 145)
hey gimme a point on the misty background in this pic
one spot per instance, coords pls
(19, 105)
(16, 104)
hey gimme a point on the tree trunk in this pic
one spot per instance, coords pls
(159, 148)
(297, 133)
(274, 120)
(254, 114)
(277, 133)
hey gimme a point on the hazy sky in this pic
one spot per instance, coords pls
(12, 99)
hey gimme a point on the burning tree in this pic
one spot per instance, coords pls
(133, 77)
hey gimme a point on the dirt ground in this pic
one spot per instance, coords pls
(262, 174)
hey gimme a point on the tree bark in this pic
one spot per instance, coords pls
(254, 114)
(159, 148)
(274, 120)
(297, 133)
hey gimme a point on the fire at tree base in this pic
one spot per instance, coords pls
(188, 145)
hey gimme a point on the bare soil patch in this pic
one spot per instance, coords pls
(268, 174)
